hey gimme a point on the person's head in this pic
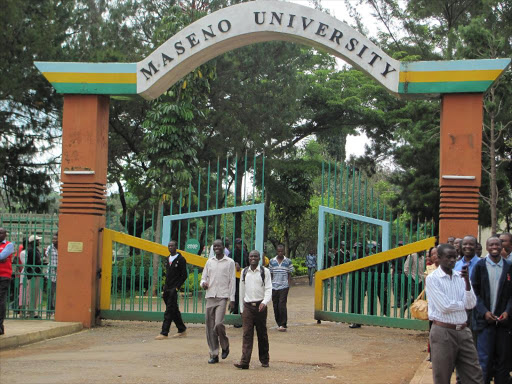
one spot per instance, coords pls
(468, 246)
(447, 256)
(227, 244)
(172, 246)
(280, 250)
(254, 258)
(218, 247)
(3, 234)
(478, 249)
(311, 251)
(434, 257)
(506, 242)
(493, 247)
(450, 240)
(33, 241)
(55, 240)
(238, 244)
(457, 244)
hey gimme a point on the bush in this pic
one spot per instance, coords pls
(299, 265)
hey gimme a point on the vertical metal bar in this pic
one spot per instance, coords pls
(207, 217)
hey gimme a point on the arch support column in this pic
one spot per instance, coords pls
(82, 206)
(460, 164)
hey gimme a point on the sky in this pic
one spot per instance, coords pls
(355, 144)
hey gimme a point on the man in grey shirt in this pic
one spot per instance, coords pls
(218, 280)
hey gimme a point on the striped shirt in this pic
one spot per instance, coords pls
(53, 257)
(447, 297)
(280, 273)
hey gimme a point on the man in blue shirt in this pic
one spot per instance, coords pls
(311, 264)
(281, 269)
(469, 257)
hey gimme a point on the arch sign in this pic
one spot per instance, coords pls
(258, 21)
(86, 87)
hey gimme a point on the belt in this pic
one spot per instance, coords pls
(457, 327)
(254, 303)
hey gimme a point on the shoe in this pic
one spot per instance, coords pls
(179, 334)
(237, 325)
(241, 366)
(225, 353)
(213, 360)
(265, 365)
(281, 329)
(354, 326)
(161, 337)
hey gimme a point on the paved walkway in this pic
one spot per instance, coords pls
(126, 352)
(21, 332)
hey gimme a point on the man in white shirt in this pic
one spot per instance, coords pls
(218, 280)
(449, 295)
(256, 292)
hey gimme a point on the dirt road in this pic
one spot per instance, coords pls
(126, 352)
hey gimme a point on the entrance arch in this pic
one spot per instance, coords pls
(86, 87)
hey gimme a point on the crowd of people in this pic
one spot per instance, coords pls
(469, 308)
(22, 271)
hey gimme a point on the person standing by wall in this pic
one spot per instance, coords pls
(175, 276)
(311, 265)
(33, 273)
(218, 280)
(6, 251)
(281, 269)
(255, 294)
(492, 283)
(52, 254)
(450, 295)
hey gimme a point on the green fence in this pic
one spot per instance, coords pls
(356, 223)
(32, 290)
(223, 202)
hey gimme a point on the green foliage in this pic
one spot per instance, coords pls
(299, 265)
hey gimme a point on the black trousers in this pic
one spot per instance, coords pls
(253, 318)
(4, 288)
(279, 299)
(172, 313)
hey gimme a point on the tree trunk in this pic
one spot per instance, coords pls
(158, 239)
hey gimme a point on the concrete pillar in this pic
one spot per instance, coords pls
(460, 164)
(82, 206)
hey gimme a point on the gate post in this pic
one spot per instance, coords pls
(82, 206)
(460, 164)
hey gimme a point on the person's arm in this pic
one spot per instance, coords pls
(290, 270)
(7, 251)
(183, 273)
(242, 294)
(232, 282)
(205, 276)
(268, 288)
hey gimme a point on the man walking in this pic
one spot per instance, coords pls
(175, 276)
(52, 255)
(218, 280)
(449, 295)
(311, 264)
(6, 251)
(255, 292)
(492, 283)
(281, 269)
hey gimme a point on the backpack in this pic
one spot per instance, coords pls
(262, 271)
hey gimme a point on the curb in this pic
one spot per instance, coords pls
(423, 374)
(34, 337)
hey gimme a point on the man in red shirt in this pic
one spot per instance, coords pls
(6, 251)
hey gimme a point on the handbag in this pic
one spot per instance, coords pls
(419, 309)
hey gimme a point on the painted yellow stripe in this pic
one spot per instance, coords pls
(366, 262)
(110, 236)
(448, 76)
(102, 78)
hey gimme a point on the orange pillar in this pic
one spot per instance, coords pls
(460, 164)
(82, 206)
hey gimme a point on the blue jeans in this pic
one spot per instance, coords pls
(493, 353)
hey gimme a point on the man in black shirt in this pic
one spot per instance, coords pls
(175, 276)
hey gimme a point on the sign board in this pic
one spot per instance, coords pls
(192, 246)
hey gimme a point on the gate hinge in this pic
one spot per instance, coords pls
(98, 274)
